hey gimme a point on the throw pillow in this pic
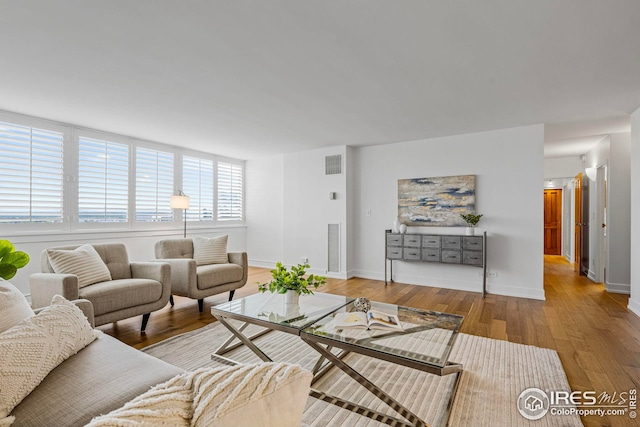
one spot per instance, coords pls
(257, 395)
(210, 250)
(13, 306)
(83, 262)
(34, 347)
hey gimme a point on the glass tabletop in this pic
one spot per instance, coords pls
(271, 308)
(426, 336)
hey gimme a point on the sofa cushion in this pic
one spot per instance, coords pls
(102, 377)
(119, 294)
(218, 274)
(35, 346)
(83, 262)
(210, 250)
(13, 306)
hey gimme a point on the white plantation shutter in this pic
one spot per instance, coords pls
(31, 174)
(154, 185)
(229, 191)
(103, 181)
(197, 183)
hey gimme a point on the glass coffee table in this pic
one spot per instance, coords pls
(270, 311)
(424, 343)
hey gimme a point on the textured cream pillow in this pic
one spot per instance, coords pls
(34, 347)
(84, 262)
(210, 250)
(13, 306)
(257, 395)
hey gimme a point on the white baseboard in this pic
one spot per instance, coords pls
(618, 288)
(459, 285)
(261, 264)
(634, 306)
(592, 276)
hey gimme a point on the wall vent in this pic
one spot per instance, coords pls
(334, 248)
(333, 165)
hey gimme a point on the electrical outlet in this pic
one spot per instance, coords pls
(369, 212)
(304, 260)
(489, 274)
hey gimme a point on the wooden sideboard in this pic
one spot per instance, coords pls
(440, 248)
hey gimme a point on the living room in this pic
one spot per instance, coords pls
(397, 92)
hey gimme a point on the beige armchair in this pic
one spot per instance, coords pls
(200, 281)
(135, 288)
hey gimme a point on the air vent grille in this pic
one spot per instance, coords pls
(333, 164)
(334, 248)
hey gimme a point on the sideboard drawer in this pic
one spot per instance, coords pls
(394, 253)
(451, 242)
(431, 255)
(412, 240)
(430, 241)
(469, 242)
(394, 239)
(452, 257)
(411, 254)
(472, 257)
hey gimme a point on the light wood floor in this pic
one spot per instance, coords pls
(597, 338)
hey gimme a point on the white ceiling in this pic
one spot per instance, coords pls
(250, 78)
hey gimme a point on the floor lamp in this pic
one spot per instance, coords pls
(181, 201)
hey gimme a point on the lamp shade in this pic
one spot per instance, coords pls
(179, 202)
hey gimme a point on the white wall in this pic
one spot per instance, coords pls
(264, 188)
(619, 214)
(614, 152)
(140, 245)
(289, 219)
(562, 167)
(596, 157)
(508, 164)
(634, 300)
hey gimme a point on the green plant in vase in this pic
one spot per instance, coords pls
(292, 281)
(11, 260)
(472, 220)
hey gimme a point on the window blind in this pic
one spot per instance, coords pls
(154, 185)
(229, 191)
(31, 174)
(197, 183)
(103, 181)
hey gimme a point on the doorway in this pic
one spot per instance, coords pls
(553, 221)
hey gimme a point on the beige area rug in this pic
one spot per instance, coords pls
(495, 373)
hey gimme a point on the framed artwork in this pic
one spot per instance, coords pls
(436, 201)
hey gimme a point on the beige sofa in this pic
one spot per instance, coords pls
(106, 374)
(200, 281)
(136, 288)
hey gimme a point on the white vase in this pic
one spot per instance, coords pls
(396, 225)
(470, 231)
(403, 228)
(291, 297)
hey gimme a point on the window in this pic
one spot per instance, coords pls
(197, 183)
(229, 191)
(31, 174)
(154, 185)
(103, 181)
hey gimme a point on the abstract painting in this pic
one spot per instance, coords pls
(436, 201)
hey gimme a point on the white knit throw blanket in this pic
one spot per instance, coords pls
(206, 393)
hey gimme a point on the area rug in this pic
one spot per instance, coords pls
(495, 373)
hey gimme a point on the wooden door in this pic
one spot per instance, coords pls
(553, 222)
(577, 221)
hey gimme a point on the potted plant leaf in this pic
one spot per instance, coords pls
(11, 260)
(472, 220)
(292, 283)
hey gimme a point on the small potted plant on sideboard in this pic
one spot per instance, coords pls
(472, 220)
